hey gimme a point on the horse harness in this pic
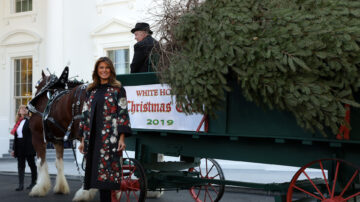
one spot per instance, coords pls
(52, 98)
(75, 113)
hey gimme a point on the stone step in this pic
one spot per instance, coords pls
(50, 155)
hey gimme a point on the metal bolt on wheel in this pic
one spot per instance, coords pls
(336, 184)
(133, 183)
(208, 169)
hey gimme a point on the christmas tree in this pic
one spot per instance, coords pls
(301, 56)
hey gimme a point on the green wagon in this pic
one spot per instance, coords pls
(242, 131)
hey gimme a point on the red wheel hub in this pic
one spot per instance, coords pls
(132, 185)
(335, 199)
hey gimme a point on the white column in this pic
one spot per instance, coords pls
(54, 36)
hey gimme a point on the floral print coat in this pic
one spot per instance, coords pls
(115, 121)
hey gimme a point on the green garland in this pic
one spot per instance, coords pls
(302, 56)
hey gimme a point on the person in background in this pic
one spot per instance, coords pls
(23, 148)
(143, 47)
(104, 126)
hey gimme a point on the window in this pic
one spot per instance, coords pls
(23, 6)
(23, 81)
(120, 58)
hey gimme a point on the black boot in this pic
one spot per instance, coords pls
(21, 181)
(31, 186)
(33, 180)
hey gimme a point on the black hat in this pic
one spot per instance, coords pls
(142, 26)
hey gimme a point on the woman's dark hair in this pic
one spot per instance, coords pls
(96, 79)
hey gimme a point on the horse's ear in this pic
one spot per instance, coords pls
(42, 73)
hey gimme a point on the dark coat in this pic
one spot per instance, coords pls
(142, 50)
(103, 168)
(23, 146)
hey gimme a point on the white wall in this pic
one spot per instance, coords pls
(59, 33)
(20, 35)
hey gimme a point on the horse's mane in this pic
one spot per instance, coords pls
(73, 83)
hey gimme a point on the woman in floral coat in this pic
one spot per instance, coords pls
(104, 126)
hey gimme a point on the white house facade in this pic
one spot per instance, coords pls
(36, 35)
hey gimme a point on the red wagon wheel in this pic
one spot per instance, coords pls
(133, 182)
(208, 169)
(334, 182)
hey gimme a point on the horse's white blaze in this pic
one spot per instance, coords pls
(43, 183)
(61, 185)
(84, 195)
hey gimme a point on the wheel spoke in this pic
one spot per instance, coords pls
(306, 192)
(133, 187)
(205, 194)
(307, 176)
(211, 168)
(128, 196)
(326, 182)
(131, 173)
(198, 192)
(215, 176)
(121, 195)
(213, 188)
(336, 174)
(350, 181)
(206, 162)
(137, 199)
(208, 193)
(352, 196)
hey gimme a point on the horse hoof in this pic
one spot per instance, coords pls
(38, 191)
(154, 194)
(84, 195)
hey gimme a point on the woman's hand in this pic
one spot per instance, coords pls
(13, 154)
(81, 146)
(121, 145)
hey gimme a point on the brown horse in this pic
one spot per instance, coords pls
(54, 107)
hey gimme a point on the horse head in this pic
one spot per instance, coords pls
(47, 85)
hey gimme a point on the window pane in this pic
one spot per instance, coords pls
(17, 104)
(17, 65)
(29, 77)
(17, 89)
(121, 57)
(30, 5)
(23, 65)
(23, 77)
(18, 6)
(23, 101)
(29, 89)
(30, 64)
(126, 55)
(127, 68)
(25, 5)
(111, 55)
(118, 69)
(23, 89)
(17, 77)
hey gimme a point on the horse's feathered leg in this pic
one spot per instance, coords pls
(61, 185)
(43, 183)
(84, 195)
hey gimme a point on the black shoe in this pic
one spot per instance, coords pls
(20, 188)
(31, 186)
